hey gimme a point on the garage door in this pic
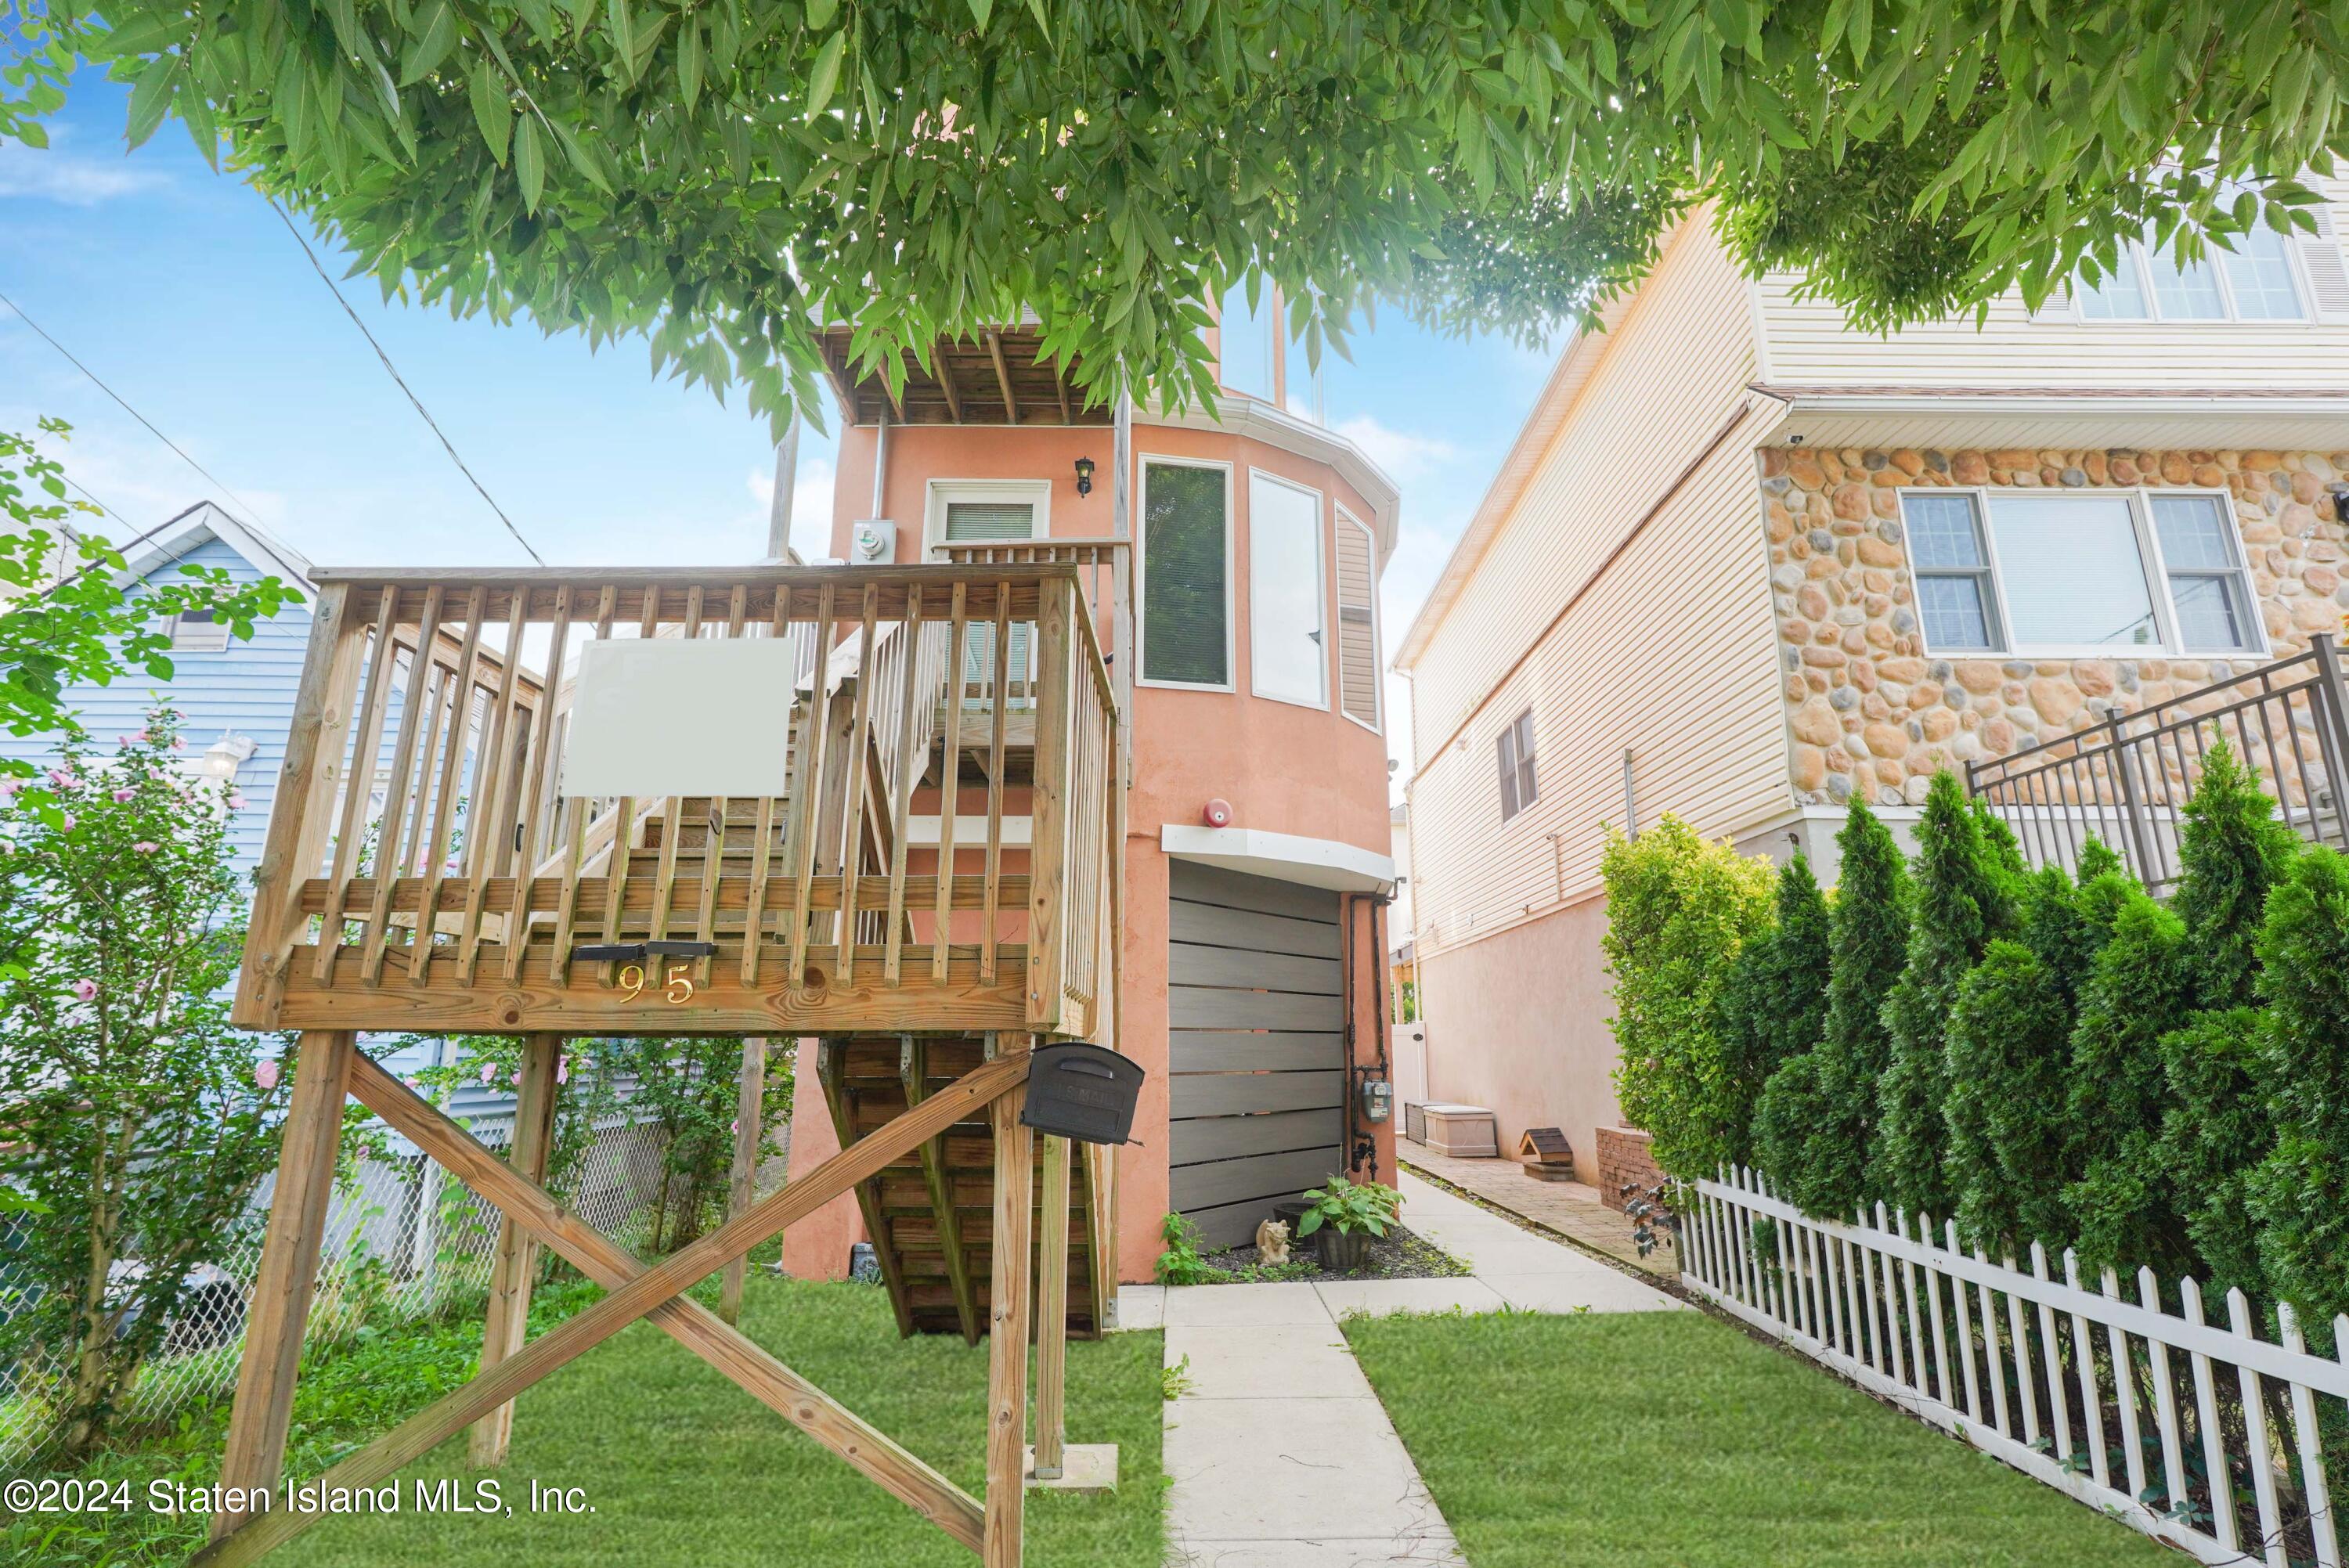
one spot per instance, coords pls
(1257, 1047)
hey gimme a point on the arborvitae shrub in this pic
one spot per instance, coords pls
(2300, 1194)
(2097, 858)
(2214, 1134)
(1678, 908)
(2139, 990)
(1962, 904)
(1833, 1104)
(2009, 1037)
(1774, 1004)
(2230, 850)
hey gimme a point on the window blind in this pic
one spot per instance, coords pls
(1358, 633)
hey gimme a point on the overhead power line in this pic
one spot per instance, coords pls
(393, 371)
(251, 513)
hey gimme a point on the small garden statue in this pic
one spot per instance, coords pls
(1272, 1243)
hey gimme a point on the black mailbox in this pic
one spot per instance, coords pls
(1082, 1092)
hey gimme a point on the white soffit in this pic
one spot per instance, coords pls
(1285, 857)
(665, 715)
(2059, 419)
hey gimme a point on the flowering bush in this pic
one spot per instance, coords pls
(130, 1111)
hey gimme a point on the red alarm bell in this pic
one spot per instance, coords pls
(1218, 813)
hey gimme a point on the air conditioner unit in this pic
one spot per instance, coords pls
(873, 542)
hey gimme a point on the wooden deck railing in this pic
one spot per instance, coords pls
(426, 870)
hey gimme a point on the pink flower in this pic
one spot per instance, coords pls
(130, 739)
(266, 1074)
(179, 743)
(8, 788)
(63, 779)
(124, 797)
(146, 846)
(65, 823)
(562, 1069)
(734, 1127)
(517, 1077)
(489, 1071)
(85, 990)
(235, 801)
(415, 1083)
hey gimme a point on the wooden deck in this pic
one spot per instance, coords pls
(814, 912)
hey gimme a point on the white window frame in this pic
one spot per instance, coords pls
(2171, 643)
(212, 639)
(2132, 255)
(1143, 461)
(1378, 725)
(1519, 765)
(1323, 589)
(938, 494)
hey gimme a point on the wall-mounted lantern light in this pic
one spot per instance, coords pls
(1084, 476)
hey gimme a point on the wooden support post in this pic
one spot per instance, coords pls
(749, 1103)
(1007, 1351)
(1052, 1311)
(289, 1268)
(517, 1260)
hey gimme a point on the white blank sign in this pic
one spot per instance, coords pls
(678, 716)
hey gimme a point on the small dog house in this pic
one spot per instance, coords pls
(1546, 1154)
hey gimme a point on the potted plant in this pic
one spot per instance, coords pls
(1345, 1215)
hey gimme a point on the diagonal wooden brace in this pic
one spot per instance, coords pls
(637, 1290)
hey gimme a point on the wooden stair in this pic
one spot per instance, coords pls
(930, 1214)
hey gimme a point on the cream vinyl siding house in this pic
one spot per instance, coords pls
(1694, 569)
(1604, 597)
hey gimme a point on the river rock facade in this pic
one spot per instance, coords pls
(1870, 711)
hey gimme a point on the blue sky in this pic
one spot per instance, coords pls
(180, 288)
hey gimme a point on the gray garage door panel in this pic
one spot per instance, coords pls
(1213, 925)
(1257, 1077)
(1269, 1177)
(1280, 1132)
(1212, 1007)
(1243, 1094)
(1239, 1050)
(1199, 965)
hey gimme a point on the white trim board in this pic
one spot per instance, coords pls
(1285, 857)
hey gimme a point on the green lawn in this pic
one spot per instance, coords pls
(1670, 1440)
(682, 1466)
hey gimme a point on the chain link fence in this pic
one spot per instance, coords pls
(406, 1241)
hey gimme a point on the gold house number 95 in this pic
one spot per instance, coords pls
(677, 987)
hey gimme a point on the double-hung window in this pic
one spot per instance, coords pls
(2078, 572)
(1514, 750)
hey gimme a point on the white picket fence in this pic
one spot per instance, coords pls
(2228, 1461)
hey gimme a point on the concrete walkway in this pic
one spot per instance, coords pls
(1571, 1208)
(1278, 1453)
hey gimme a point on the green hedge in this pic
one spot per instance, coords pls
(2038, 1059)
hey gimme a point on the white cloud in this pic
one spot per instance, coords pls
(54, 174)
(1405, 454)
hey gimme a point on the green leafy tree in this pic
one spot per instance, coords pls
(2217, 1129)
(1963, 903)
(1678, 908)
(2009, 1044)
(687, 1088)
(1773, 1003)
(2300, 1194)
(2230, 850)
(722, 178)
(68, 619)
(135, 1117)
(2139, 989)
(1817, 1112)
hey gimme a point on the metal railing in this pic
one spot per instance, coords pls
(2125, 780)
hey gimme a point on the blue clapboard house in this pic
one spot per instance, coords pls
(236, 699)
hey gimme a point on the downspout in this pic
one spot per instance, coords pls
(1350, 1129)
(880, 462)
(1383, 997)
(778, 511)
